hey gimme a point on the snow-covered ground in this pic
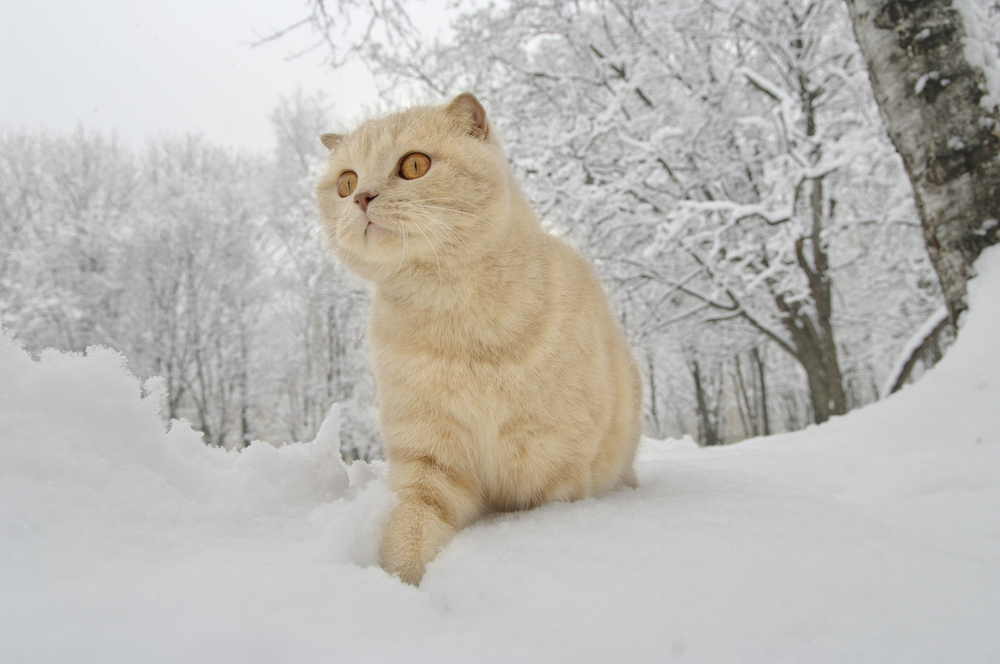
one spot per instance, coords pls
(873, 538)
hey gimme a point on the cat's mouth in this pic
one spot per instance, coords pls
(374, 229)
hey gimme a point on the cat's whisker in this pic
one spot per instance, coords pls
(447, 227)
(442, 226)
(403, 256)
(436, 257)
(452, 237)
(451, 232)
(461, 212)
(445, 200)
(419, 211)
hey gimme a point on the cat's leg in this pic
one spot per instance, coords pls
(434, 503)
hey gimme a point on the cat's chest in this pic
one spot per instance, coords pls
(481, 395)
(448, 362)
(464, 369)
(486, 333)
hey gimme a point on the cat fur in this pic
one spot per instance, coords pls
(504, 380)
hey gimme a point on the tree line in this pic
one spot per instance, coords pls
(202, 265)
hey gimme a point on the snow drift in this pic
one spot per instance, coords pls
(872, 538)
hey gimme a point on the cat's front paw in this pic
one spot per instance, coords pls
(408, 570)
(414, 535)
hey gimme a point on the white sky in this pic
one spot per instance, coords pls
(149, 68)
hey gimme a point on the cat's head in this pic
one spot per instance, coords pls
(421, 190)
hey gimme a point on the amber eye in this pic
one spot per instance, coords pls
(414, 165)
(348, 183)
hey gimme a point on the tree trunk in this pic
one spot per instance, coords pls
(758, 363)
(929, 74)
(925, 345)
(243, 383)
(654, 416)
(744, 401)
(706, 424)
(811, 328)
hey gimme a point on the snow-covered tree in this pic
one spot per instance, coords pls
(723, 161)
(320, 312)
(197, 284)
(937, 80)
(62, 202)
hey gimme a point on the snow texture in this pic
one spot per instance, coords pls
(980, 53)
(872, 538)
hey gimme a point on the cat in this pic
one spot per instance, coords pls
(504, 380)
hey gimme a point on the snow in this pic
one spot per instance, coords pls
(872, 538)
(922, 81)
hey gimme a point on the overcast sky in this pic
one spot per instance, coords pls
(149, 68)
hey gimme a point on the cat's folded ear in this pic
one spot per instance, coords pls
(470, 115)
(331, 141)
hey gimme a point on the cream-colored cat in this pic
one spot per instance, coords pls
(504, 380)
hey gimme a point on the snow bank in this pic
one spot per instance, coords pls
(118, 534)
(872, 538)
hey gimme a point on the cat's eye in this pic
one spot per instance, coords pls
(414, 165)
(347, 184)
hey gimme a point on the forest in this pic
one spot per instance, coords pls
(725, 165)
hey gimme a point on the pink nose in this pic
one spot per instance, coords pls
(363, 198)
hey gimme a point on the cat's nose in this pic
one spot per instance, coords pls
(363, 198)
